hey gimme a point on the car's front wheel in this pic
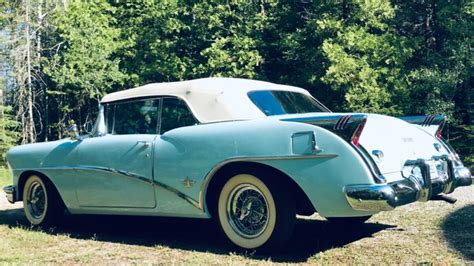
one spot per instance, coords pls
(255, 213)
(41, 202)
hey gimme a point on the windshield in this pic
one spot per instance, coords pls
(285, 102)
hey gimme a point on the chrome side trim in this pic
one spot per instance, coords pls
(113, 171)
(210, 174)
(185, 197)
(180, 194)
(89, 168)
(197, 204)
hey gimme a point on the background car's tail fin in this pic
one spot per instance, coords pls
(432, 124)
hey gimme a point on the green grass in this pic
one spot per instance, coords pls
(5, 178)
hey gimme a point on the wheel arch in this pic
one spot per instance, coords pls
(24, 176)
(225, 172)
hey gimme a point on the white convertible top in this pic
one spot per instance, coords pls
(210, 99)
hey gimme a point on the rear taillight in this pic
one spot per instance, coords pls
(439, 131)
(356, 136)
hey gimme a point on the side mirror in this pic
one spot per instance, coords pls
(73, 132)
(88, 126)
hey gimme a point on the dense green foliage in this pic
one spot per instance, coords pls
(8, 135)
(84, 68)
(386, 56)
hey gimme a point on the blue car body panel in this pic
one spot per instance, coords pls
(118, 175)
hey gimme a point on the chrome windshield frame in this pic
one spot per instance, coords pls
(99, 126)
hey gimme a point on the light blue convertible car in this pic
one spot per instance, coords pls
(249, 154)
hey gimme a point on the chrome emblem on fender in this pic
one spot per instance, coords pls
(188, 182)
(378, 154)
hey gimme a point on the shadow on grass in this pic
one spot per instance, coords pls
(458, 229)
(310, 236)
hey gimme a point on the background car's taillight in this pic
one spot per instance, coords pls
(439, 131)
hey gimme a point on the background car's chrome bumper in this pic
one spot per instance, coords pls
(10, 191)
(384, 197)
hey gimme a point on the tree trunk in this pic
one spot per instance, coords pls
(30, 122)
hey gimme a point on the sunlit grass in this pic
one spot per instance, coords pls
(5, 178)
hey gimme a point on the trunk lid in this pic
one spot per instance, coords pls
(399, 141)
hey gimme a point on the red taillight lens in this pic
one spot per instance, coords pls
(356, 136)
(439, 131)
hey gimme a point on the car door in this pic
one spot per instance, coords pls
(116, 170)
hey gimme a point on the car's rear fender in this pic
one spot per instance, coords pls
(323, 179)
(321, 175)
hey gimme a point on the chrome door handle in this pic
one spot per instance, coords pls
(145, 143)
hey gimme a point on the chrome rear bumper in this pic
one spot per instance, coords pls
(10, 192)
(384, 197)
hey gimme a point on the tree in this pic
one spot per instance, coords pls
(441, 65)
(83, 69)
(366, 56)
(8, 127)
(229, 36)
(151, 32)
(20, 33)
(168, 41)
(440, 70)
(23, 23)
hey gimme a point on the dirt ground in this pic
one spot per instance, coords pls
(433, 232)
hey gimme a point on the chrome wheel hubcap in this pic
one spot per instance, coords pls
(247, 211)
(36, 200)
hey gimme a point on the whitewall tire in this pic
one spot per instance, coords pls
(255, 214)
(41, 202)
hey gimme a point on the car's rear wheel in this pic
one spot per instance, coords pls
(41, 202)
(255, 214)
